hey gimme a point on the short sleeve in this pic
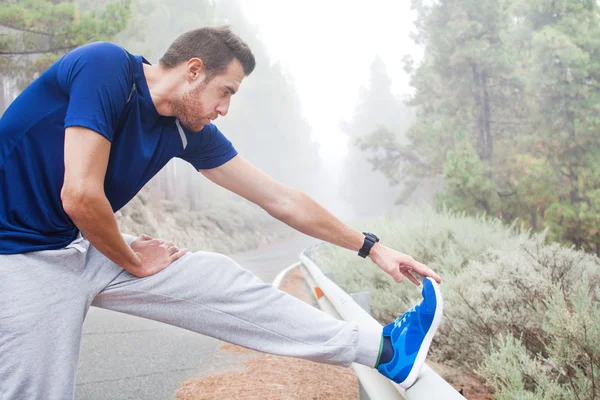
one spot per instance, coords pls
(97, 79)
(208, 148)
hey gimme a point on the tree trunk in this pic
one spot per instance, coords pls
(485, 143)
(3, 102)
(534, 220)
(574, 190)
(167, 180)
(477, 94)
(489, 142)
(193, 191)
(480, 96)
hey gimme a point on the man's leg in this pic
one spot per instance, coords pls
(44, 297)
(211, 294)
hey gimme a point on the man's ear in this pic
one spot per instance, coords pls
(195, 69)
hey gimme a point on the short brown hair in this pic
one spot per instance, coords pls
(215, 46)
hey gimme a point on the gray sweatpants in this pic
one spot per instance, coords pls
(45, 295)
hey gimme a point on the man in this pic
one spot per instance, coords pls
(79, 143)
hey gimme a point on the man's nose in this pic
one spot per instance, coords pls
(222, 109)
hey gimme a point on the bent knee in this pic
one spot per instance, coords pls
(207, 263)
(208, 258)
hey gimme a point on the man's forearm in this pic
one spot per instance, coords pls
(307, 216)
(93, 216)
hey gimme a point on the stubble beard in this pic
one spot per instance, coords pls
(189, 110)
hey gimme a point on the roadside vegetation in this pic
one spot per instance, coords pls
(522, 314)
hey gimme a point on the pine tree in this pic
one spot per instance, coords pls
(507, 101)
(379, 117)
(563, 79)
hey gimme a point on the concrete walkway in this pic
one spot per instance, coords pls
(124, 357)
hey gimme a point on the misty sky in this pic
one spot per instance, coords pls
(327, 47)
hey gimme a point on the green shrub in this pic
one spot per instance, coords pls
(569, 366)
(505, 293)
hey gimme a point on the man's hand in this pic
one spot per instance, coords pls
(398, 264)
(155, 254)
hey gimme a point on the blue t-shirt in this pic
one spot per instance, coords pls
(102, 87)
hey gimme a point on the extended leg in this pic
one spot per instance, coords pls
(211, 294)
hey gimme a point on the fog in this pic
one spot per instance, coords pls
(286, 117)
(480, 107)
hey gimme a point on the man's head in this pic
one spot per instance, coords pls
(211, 64)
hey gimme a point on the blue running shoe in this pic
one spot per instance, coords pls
(411, 336)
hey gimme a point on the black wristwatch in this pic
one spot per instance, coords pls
(370, 240)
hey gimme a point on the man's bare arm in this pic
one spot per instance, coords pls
(283, 202)
(84, 200)
(304, 214)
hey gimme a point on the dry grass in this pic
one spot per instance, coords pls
(269, 377)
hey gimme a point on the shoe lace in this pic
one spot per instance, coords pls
(407, 316)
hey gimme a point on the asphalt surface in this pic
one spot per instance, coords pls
(125, 357)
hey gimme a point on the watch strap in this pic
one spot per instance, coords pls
(370, 240)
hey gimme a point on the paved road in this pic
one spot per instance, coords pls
(124, 357)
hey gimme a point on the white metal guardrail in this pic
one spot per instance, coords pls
(335, 301)
(282, 274)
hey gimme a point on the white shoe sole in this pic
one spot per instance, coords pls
(422, 354)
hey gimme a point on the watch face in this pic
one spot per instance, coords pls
(371, 234)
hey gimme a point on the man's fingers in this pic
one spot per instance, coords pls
(176, 256)
(425, 271)
(397, 275)
(166, 245)
(147, 238)
(411, 277)
(172, 250)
